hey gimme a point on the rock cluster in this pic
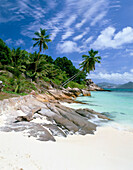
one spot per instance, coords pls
(92, 86)
(43, 117)
(1, 85)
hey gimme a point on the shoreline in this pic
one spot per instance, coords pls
(108, 149)
(43, 117)
(112, 123)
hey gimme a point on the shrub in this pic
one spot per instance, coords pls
(73, 84)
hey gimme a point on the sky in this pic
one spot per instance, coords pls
(75, 26)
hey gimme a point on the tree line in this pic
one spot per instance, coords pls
(22, 67)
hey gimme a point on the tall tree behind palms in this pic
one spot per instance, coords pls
(41, 41)
(87, 65)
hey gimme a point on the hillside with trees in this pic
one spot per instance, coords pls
(17, 70)
(22, 72)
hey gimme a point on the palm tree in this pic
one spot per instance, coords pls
(41, 41)
(16, 67)
(87, 65)
(89, 61)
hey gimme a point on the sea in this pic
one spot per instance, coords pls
(116, 104)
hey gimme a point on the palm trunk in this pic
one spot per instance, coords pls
(37, 62)
(71, 78)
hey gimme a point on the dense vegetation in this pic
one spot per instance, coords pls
(22, 72)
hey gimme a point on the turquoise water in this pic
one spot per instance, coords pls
(118, 105)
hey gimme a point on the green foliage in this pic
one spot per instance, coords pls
(89, 61)
(73, 84)
(19, 70)
(17, 85)
(67, 66)
(10, 92)
(46, 79)
(5, 53)
(56, 81)
(41, 40)
(87, 65)
(48, 59)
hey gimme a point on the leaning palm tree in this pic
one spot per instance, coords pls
(41, 40)
(87, 65)
(89, 61)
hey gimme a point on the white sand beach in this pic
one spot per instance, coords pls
(108, 149)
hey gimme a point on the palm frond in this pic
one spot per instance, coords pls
(84, 56)
(48, 40)
(45, 46)
(89, 61)
(99, 57)
(47, 36)
(38, 34)
(35, 43)
(95, 52)
(43, 31)
(36, 39)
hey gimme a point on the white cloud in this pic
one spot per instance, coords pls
(131, 70)
(96, 8)
(54, 33)
(89, 39)
(98, 18)
(81, 11)
(9, 41)
(67, 47)
(115, 4)
(52, 4)
(19, 42)
(129, 51)
(131, 54)
(73, 14)
(91, 10)
(32, 49)
(78, 37)
(15, 42)
(85, 42)
(67, 34)
(78, 25)
(105, 56)
(108, 38)
(70, 21)
(114, 77)
(28, 8)
(17, 10)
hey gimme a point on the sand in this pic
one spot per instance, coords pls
(108, 149)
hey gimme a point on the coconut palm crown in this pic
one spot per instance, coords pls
(89, 61)
(41, 40)
(87, 65)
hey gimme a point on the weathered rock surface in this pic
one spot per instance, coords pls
(31, 129)
(85, 92)
(92, 86)
(1, 85)
(43, 117)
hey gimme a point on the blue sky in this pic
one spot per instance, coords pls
(76, 27)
